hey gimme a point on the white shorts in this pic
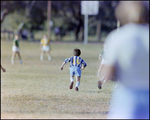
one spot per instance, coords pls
(46, 48)
(104, 61)
(15, 49)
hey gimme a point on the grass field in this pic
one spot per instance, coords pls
(39, 89)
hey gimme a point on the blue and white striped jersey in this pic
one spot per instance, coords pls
(75, 61)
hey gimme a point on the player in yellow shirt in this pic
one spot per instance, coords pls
(45, 47)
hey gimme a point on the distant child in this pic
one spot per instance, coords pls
(103, 62)
(15, 49)
(76, 65)
(45, 47)
(101, 58)
(3, 69)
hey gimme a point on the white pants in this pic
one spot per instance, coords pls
(15, 49)
(46, 48)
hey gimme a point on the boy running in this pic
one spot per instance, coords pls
(76, 65)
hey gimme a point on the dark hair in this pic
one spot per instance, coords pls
(144, 16)
(136, 12)
(76, 52)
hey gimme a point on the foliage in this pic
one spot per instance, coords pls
(13, 20)
(64, 14)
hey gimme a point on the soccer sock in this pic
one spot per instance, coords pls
(71, 79)
(20, 61)
(49, 57)
(41, 58)
(12, 60)
(77, 84)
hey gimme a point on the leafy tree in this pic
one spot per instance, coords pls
(65, 14)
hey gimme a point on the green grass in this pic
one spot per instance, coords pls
(39, 89)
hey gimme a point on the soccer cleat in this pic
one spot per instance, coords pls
(71, 86)
(77, 89)
(99, 84)
(12, 62)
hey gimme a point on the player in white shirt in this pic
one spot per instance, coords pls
(128, 59)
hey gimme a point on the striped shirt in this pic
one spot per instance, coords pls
(76, 61)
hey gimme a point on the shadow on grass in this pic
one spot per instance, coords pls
(93, 91)
(101, 112)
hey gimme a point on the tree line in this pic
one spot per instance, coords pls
(64, 14)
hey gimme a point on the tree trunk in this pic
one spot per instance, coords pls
(27, 9)
(77, 33)
(3, 14)
(98, 31)
(82, 33)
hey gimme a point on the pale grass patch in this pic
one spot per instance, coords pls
(39, 89)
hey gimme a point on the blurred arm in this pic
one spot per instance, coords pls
(61, 68)
(3, 69)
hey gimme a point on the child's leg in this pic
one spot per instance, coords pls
(71, 78)
(19, 57)
(48, 54)
(42, 54)
(13, 57)
(72, 81)
(100, 69)
(77, 82)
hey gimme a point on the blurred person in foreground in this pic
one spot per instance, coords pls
(103, 60)
(102, 63)
(45, 47)
(128, 60)
(16, 49)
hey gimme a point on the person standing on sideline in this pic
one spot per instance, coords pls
(128, 60)
(76, 65)
(45, 47)
(15, 49)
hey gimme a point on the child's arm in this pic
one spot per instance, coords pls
(100, 55)
(82, 68)
(3, 69)
(61, 68)
(66, 60)
(41, 45)
(84, 65)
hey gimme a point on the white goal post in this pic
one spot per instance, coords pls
(88, 8)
